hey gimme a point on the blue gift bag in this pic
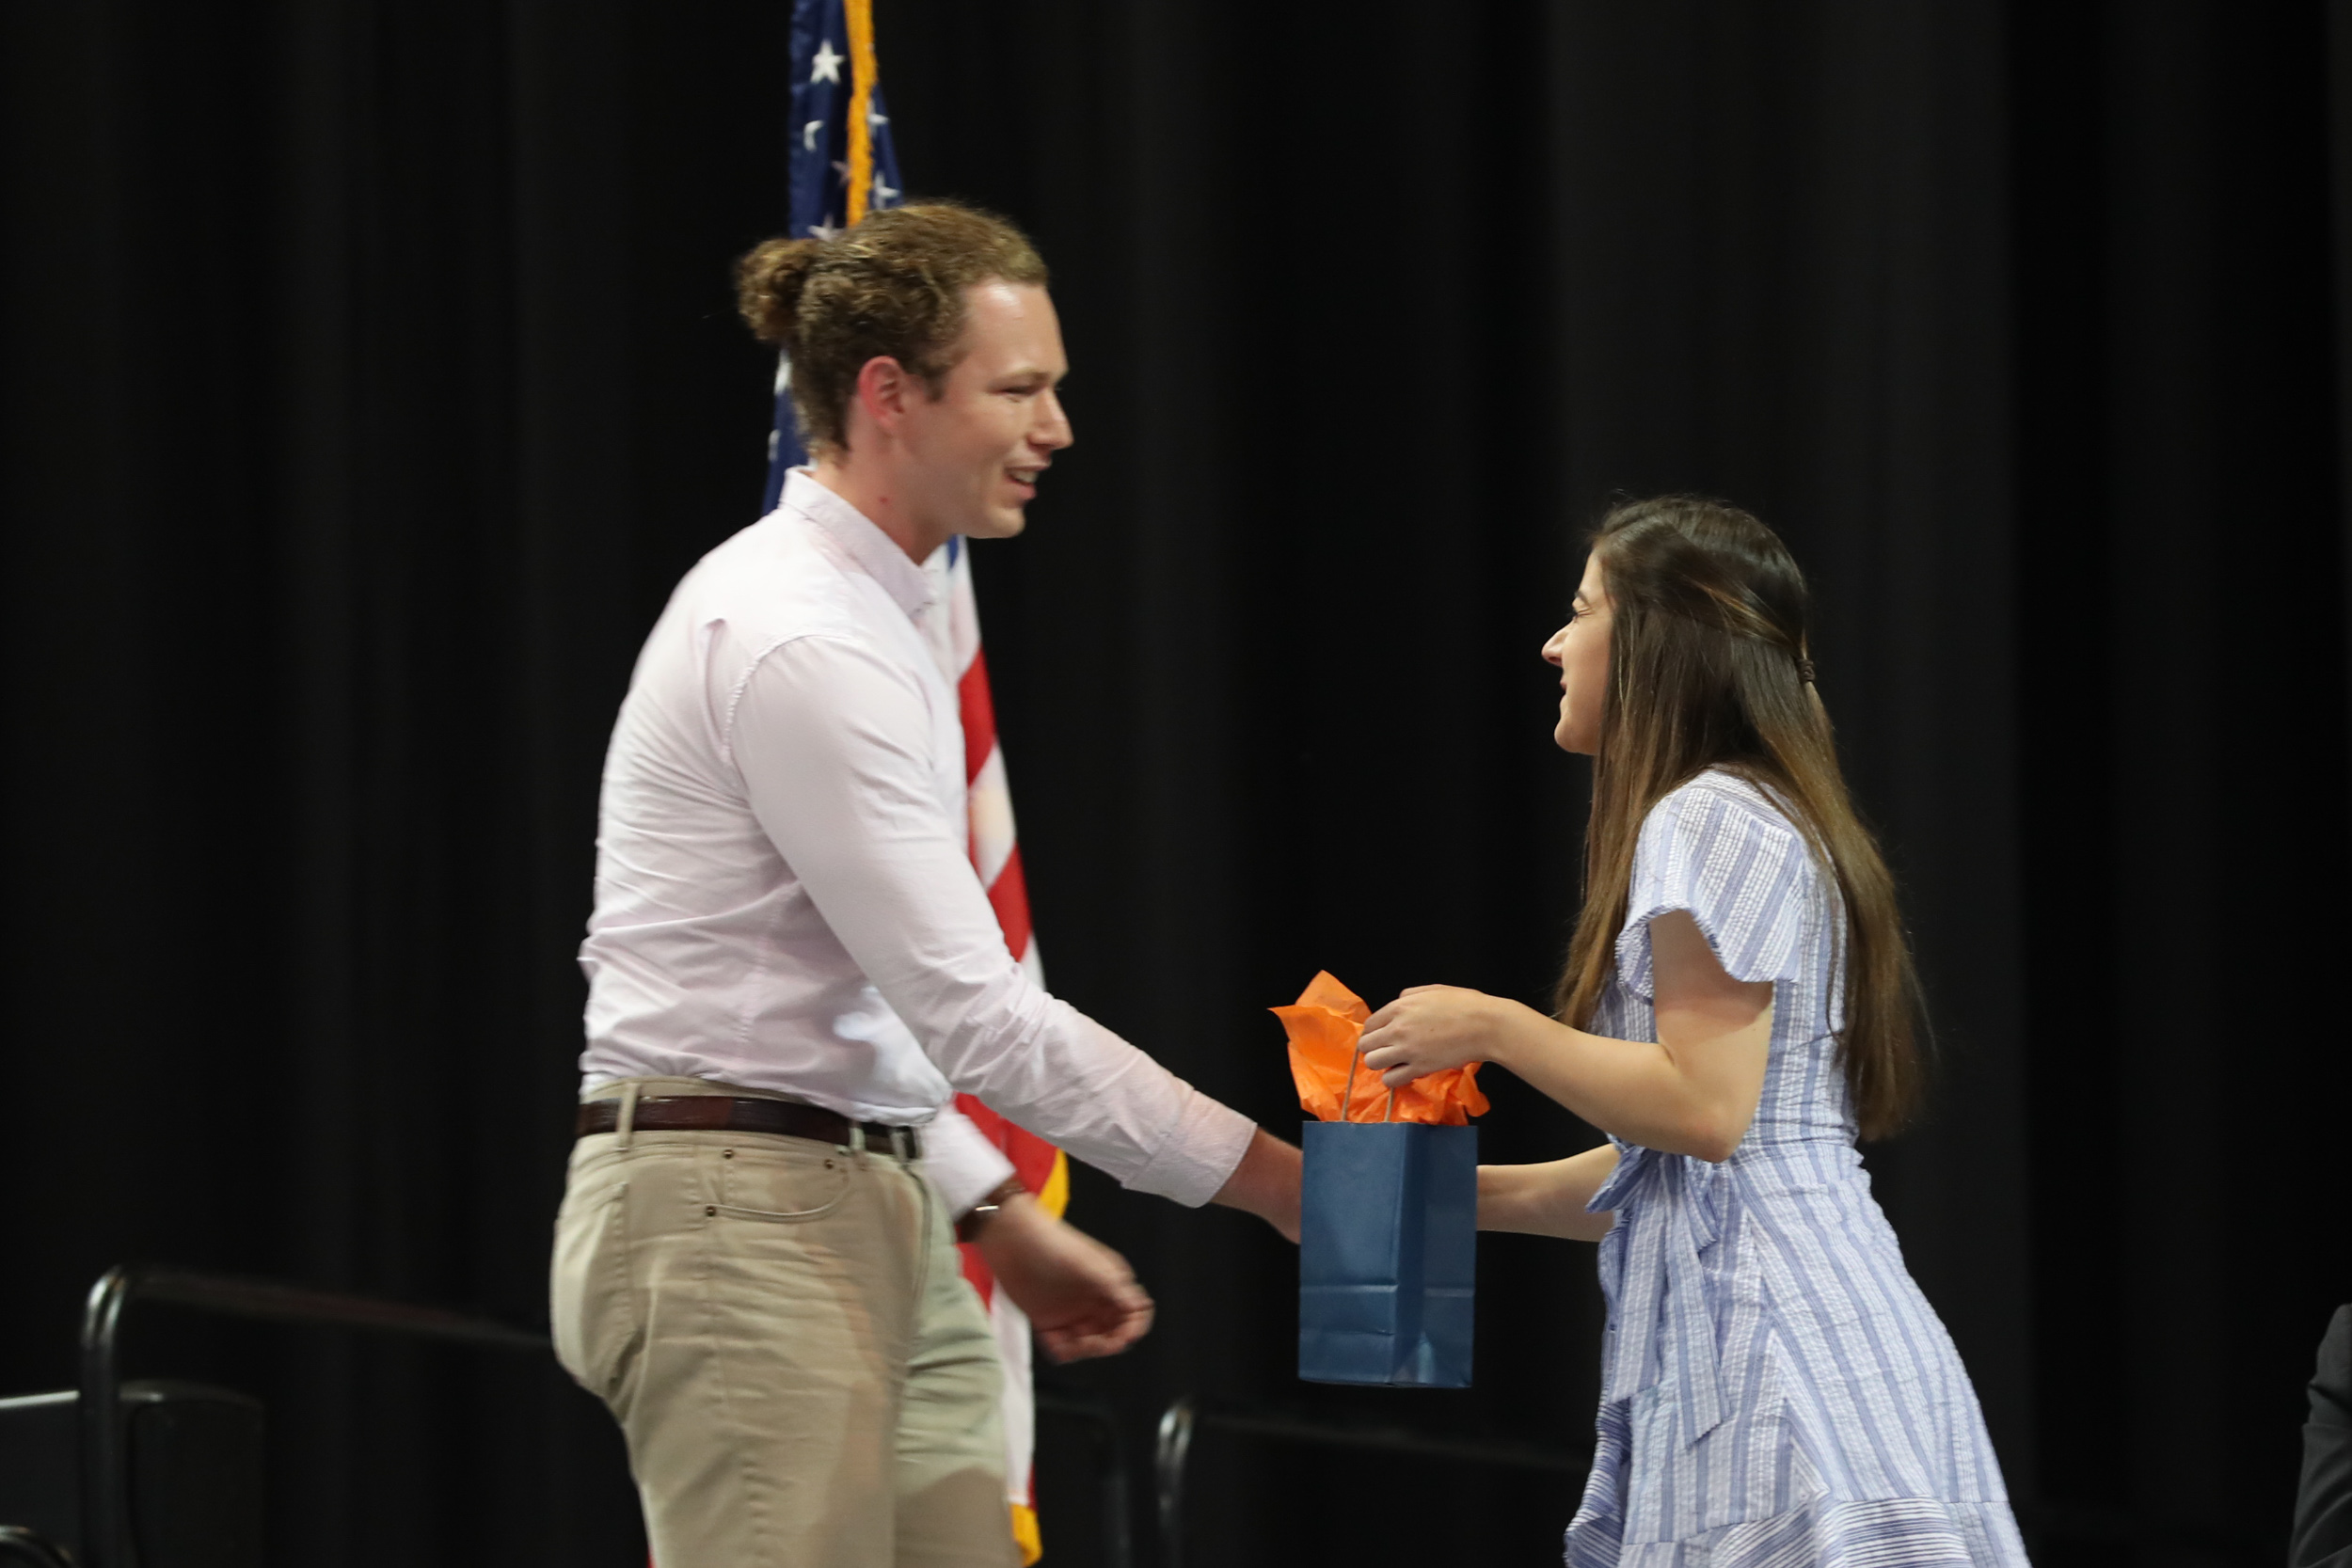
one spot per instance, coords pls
(1388, 1254)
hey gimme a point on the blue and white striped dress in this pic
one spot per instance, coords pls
(1775, 1391)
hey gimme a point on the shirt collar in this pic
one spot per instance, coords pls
(858, 536)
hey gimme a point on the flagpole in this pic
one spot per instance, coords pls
(862, 70)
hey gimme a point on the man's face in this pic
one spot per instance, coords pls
(978, 448)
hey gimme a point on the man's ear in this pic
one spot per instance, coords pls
(884, 390)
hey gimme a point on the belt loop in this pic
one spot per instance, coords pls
(857, 1141)
(627, 1123)
(900, 1138)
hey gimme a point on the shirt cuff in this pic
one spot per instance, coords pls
(1199, 1155)
(961, 1162)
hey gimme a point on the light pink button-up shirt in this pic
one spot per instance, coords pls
(784, 892)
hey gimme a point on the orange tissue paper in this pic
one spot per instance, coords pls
(1324, 1024)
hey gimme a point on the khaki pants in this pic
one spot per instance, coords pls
(804, 1377)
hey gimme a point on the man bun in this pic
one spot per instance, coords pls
(767, 286)
(892, 287)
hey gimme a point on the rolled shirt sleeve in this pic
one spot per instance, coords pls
(963, 1163)
(832, 742)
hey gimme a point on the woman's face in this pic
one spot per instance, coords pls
(1581, 649)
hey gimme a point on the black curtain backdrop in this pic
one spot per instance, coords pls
(370, 376)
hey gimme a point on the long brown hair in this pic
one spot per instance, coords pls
(1709, 668)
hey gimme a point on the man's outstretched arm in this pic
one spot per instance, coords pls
(834, 745)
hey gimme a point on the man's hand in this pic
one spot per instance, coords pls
(1265, 1184)
(1081, 1297)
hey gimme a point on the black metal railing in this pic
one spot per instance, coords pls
(106, 1539)
(2042, 1522)
(21, 1548)
(1187, 1417)
(106, 1533)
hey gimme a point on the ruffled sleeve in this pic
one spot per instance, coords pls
(1719, 849)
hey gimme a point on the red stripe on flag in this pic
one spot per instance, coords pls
(1032, 1156)
(1010, 899)
(975, 1270)
(979, 718)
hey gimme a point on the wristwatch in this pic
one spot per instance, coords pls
(975, 1218)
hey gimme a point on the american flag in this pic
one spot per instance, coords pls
(843, 165)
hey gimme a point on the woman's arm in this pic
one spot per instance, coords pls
(1694, 1092)
(1547, 1199)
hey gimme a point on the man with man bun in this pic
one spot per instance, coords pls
(793, 968)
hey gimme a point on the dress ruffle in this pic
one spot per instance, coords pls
(1819, 1532)
(1892, 1532)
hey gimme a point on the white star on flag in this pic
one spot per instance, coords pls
(808, 134)
(828, 64)
(884, 195)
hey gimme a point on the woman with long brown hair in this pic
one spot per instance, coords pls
(1737, 1009)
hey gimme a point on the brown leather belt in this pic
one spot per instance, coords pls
(718, 1113)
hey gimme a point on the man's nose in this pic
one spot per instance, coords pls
(1052, 431)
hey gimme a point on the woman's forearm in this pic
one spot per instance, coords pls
(1694, 1092)
(1547, 1199)
(1632, 1088)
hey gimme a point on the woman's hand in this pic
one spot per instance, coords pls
(1431, 1028)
